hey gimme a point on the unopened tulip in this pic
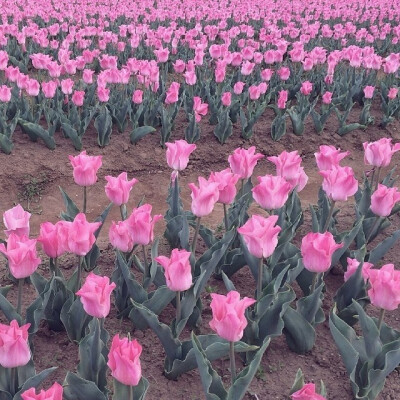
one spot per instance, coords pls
(385, 287)
(260, 235)
(177, 270)
(243, 162)
(16, 220)
(85, 168)
(271, 192)
(339, 183)
(124, 362)
(95, 295)
(14, 347)
(317, 250)
(228, 319)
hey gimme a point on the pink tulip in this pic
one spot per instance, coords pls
(284, 73)
(254, 92)
(32, 87)
(383, 200)
(379, 153)
(204, 197)
(124, 362)
(238, 87)
(329, 156)
(54, 238)
(392, 94)
(226, 99)
(162, 55)
(141, 224)
(306, 88)
(95, 295)
(103, 94)
(137, 96)
(339, 183)
(282, 99)
(172, 93)
(14, 347)
(49, 89)
(179, 66)
(199, 108)
(260, 235)
(66, 86)
(307, 392)
(81, 235)
(317, 249)
(55, 392)
(77, 97)
(266, 74)
(16, 220)
(178, 154)
(288, 166)
(118, 189)
(385, 287)
(22, 257)
(243, 161)
(369, 92)
(5, 93)
(85, 168)
(271, 192)
(228, 319)
(226, 185)
(177, 270)
(352, 265)
(120, 237)
(327, 98)
(87, 76)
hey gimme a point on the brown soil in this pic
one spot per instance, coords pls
(146, 162)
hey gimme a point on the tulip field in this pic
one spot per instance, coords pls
(199, 200)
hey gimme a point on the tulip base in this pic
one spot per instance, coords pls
(232, 361)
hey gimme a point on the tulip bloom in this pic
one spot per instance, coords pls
(317, 250)
(137, 96)
(271, 192)
(118, 189)
(14, 347)
(383, 200)
(385, 287)
(141, 224)
(200, 109)
(178, 154)
(339, 183)
(307, 392)
(120, 237)
(85, 168)
(54, 393)
(177, 270)
(306, 88)
(369, 92)
(204, 197)
(124, 362)
(228, 319)
(81, 235)
(16, 220)
(260, 235)
(329, 156)
(242, 161)
(54, 238)
(352, 265)
(22, 257)
(226, 180)
(288, 166)
(95, 295)
(379, 153)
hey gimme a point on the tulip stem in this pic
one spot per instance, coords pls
(78, 280)
(19, 301)
(373, 227)
(328, 219)
(14, 380)
(122, 209)
(260, 278)
(178, 307)
(226, 218)
(314, 282)
(84, 199)
(378, 176)
(130, 392)
(232, 359)
(196, 233)
(380, 320)
(146, 264)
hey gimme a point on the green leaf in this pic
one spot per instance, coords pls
(76, 388)
(122, 392)
(298, 382)
(383, 247)
(103, 126)
(139, 133)
(6, 145)
(71, 133)
(37, 131)
(71, 208)
(9, 310)
(34, 382)
(212, 384)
